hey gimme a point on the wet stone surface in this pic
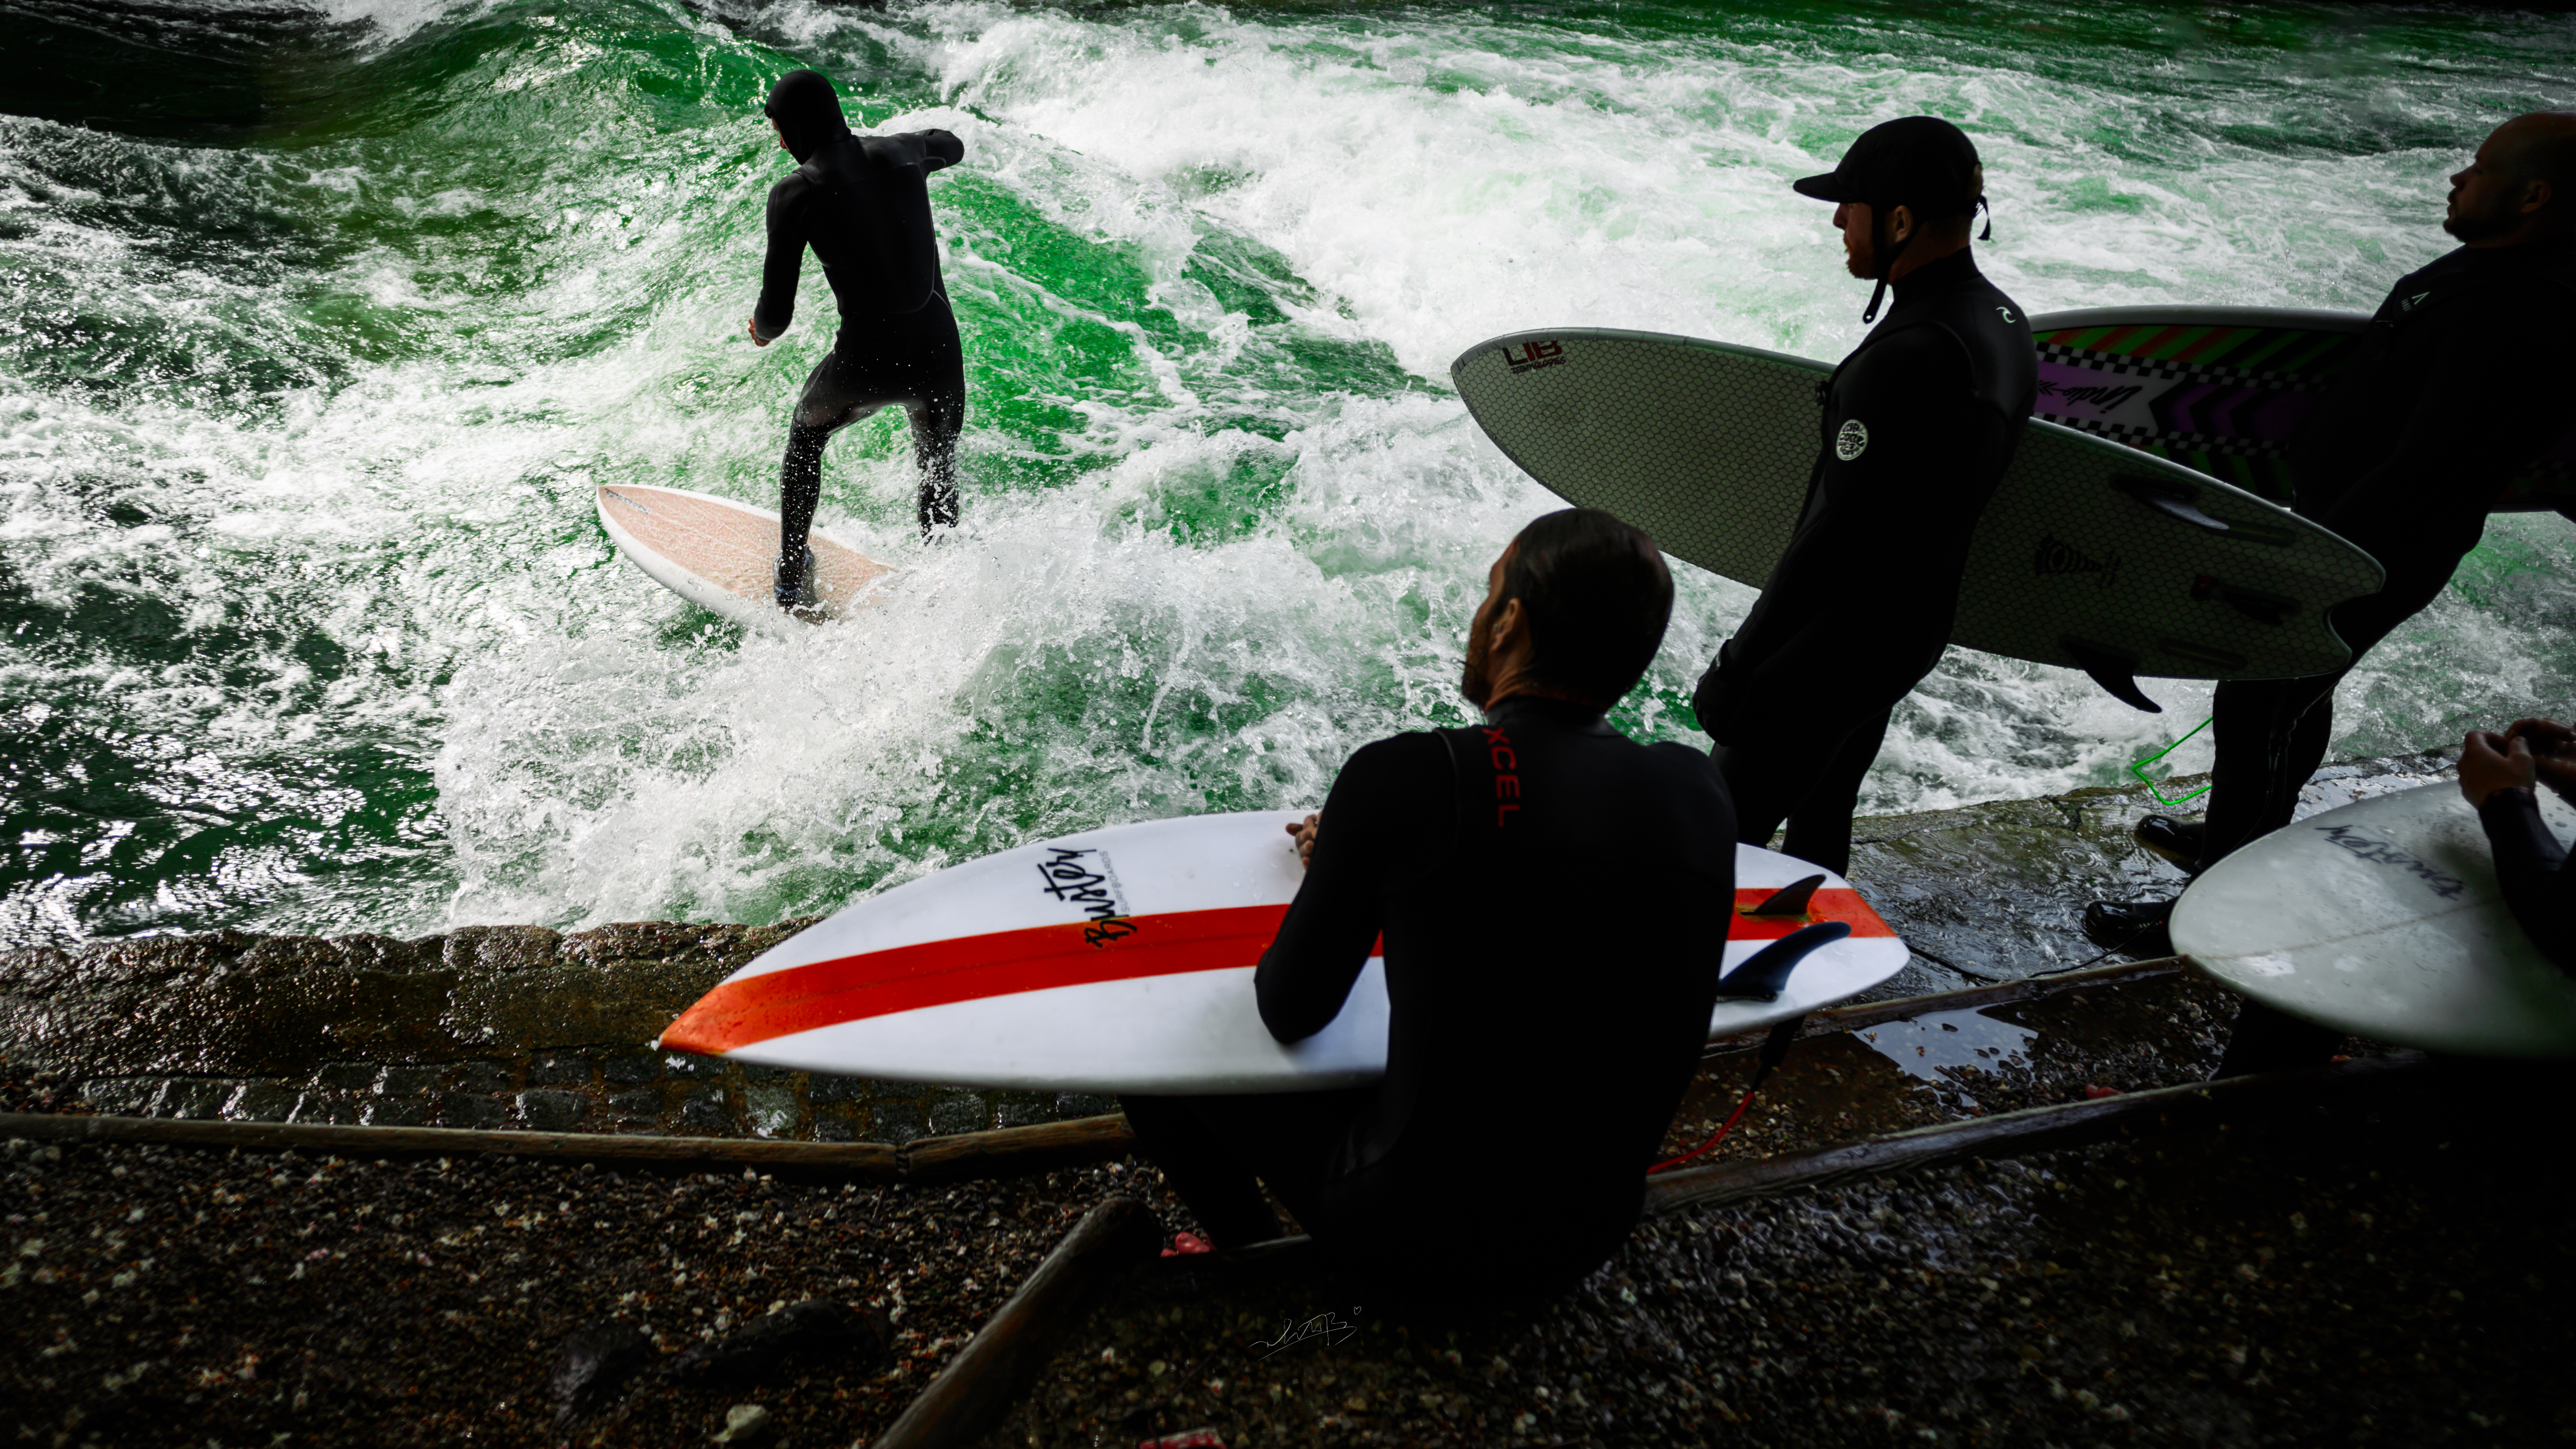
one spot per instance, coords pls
(483, 1028)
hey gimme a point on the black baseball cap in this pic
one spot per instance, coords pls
(1918, 161)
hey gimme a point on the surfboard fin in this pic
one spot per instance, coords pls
(2116, 670)
(1763, 977)
(1788, 900)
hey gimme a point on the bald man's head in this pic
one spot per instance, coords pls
(2521, 187)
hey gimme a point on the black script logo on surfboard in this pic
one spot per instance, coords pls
(1084, 879)
(1534, 355)
(2057, 556)
(2101, 399)
(2380, 852)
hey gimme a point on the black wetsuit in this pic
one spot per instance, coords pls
(1554, 900)
(2538, 876)
(863, 204)
(1919, 424)
(2464, 377)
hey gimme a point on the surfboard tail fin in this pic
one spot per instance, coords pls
(2116, 670)
(1766, 974)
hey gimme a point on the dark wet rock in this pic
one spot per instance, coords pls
(1083, 1104)
(555, 1069)
(897, 1122)
(553, 1111)
(689, 1064)
(635, 1107)
(631, 1069)
(956, 1111)
(597, 1362)
(773, 1343)
(262, 1102)
(1022, 1109)
(347, 1076)
(823, 1087)
(410, 1081)
(395, 1112)
(472, 1110)
(772, 1108)
(704, 1109)
(483, 1076)
(192, 1098)
(1998, 889)
(835, 1129)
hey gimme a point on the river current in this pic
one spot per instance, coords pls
(318, 327)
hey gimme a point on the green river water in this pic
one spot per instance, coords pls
(318, 328)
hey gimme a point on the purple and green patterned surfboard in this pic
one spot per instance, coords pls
(2221, 389)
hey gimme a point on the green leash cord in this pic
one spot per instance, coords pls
(2140, 768)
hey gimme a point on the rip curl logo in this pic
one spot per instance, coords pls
(1085, 879)
(1507, 780)
(2100, 399)
(1852, 441)
(2411, 303)
(2057, 556)
(2380, 852)
(1534, 355)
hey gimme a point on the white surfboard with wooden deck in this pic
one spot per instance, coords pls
(717, 553)
(1121, 960)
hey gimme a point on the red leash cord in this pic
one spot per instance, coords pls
(1775, 1049)
(1715, 1138)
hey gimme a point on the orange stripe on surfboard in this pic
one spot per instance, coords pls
(1006, 963)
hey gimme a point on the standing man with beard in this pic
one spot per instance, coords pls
(863, 204)
(1547, 890)
(2465, 376)
(1919, 424)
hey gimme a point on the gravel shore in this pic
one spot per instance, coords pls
(168, 1296)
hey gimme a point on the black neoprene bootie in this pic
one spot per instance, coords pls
(794, 590)
(2136, 927)
(2179, 842)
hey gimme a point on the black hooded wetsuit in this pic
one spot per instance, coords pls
(863, 204)
(2463, 378)
(1554, 897)
(1920, 422)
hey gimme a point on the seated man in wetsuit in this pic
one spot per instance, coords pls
(1554, 899)
(863, 204)
(2461, 381)
(2497, 774)
(1919, 423)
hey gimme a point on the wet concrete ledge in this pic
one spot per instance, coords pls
(525, 1027)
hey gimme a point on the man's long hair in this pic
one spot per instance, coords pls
(1597, 597)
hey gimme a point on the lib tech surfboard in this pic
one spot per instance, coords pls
(2090, 554)
(1121, 960)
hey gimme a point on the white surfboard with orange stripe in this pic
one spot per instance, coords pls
(1121, 960)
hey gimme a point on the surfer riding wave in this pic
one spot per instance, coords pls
(863, 204)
